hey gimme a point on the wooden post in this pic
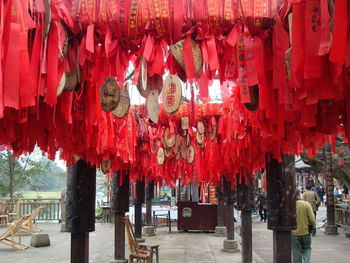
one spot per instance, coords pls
(331, 228)
(79, 247)
(63, 212)
(149, 229)
(140, 199)
(80, 217)
(220, 229)
(246, 203)
(230, 245)
(281, 206)
(119, 206)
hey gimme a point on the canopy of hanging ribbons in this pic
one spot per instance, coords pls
(64, 65)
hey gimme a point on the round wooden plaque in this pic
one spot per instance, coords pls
(153, 105)
(109, 94)
(200, 138)
(177, 51)
(184, 123)
(61, 85)
(169, 140)
(160, 156)
(190, 154)
(172, 92)
(124, 103)
(200, 127)
(153, 83)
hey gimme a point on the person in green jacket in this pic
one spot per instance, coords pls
(301, 239)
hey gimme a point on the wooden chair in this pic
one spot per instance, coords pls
(142, 253)
(4, 218)
(14, 214)
(7, 238)
(28, 224)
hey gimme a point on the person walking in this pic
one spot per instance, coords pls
(301, 239)
(345, 191)
(262, 206)
(312, 198)
(320, 192)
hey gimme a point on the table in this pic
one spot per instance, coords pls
(196, 216)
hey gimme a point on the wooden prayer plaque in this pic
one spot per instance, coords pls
(109, 94)
(169, 140)
(177, 52)
(200, 138)
(200, 127)
(160, 156)
(184, 123)
(190, 154)
(124, 103)
(153, 105)
(172, 92)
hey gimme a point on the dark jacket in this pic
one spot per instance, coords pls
(262, 201)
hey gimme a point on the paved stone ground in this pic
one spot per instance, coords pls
(325, 248)
(174, 246)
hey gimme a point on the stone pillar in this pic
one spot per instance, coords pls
(281, 206)
(80, 217)
(220, 229)
(119, 206)
(140, 199)
(149, 229)
(230, 245)
(330, 228)
(246, 203)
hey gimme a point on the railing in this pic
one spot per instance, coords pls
(50, 212)
(342, 215)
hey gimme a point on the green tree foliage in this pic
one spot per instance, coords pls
(26, 172)
(340, 169)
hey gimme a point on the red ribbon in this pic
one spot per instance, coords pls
(188, 59)
(341, 21)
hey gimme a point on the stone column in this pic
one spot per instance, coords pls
(80, 217)
(149, 229)
(230, 245)
(140, 199)
(220, 229)
(331, 228)
(281, 206)
(119, 206)
(246, 203)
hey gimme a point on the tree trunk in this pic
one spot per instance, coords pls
(11, 173)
